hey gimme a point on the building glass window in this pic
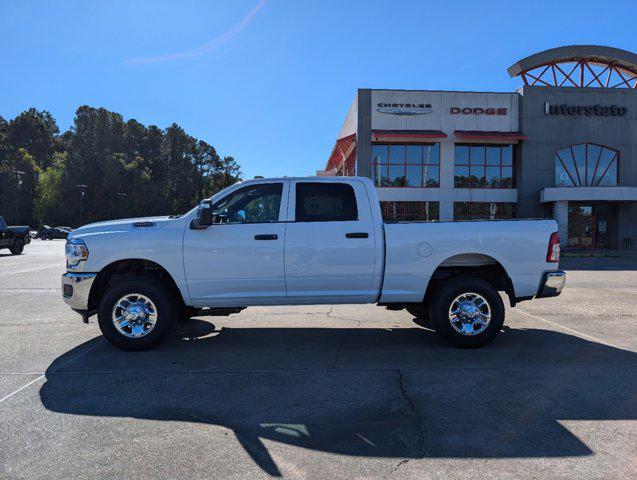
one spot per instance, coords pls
(483, 166)
(483, 210)
(586, 165)
(400, 165)
(410, 211)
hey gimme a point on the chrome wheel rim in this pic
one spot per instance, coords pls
(469, 314)
(134, 315)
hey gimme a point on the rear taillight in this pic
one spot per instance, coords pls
(553, 254)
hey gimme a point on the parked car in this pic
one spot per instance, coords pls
(49, 233)
(305, 241)
(14, 238)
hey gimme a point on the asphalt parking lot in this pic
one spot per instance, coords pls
(320, 391)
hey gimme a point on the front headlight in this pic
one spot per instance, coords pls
(75, 251)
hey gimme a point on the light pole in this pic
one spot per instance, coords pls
(17, 191)
(82, 191)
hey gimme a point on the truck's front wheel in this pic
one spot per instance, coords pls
(467, 311)
(17, 247)
(137, 314)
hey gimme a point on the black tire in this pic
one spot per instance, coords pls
(418, 310)
(442, 301)
(183, 313)
(421, 313)
(158, 293)
(17, 247)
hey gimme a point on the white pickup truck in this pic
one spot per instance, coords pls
(300, 241)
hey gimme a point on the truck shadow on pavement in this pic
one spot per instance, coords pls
(398, 393)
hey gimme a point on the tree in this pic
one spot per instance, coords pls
(178, 153)
(35, 132)
(49, 202)
(230, 172)
(125, 169)
(21, 173)
(25, 148)
(6, 183)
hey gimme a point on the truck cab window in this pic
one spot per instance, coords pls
(325, 202)
(252, 204)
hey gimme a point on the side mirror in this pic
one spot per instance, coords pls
(203, 218)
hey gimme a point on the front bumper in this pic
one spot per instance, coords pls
(76, 288)
(552, 284)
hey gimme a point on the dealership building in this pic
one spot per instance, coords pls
(563, 146)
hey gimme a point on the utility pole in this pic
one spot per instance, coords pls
(82, 192)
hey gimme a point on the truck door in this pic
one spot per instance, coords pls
(329, 244)
(239, 259)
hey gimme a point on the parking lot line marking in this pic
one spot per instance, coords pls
(21, 373)
(70, 360)
(30, 290)
(389, 368)
(77, 355)
(584, 335)
(21, 388)
(36, 269)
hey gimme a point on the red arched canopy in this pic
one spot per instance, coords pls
(578, 66)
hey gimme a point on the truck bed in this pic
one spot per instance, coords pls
(414, 250)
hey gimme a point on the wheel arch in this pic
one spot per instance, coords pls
(476, 264)
(130, 268)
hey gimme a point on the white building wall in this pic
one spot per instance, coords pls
(440, 117)
(351, 120)
(446, 181)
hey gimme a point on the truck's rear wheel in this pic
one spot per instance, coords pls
(17, 247)
(137, 314)
(467, 311)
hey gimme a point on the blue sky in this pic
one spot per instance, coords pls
(270, 81)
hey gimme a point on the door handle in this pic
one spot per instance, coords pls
(357, 235)
(266, 237)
